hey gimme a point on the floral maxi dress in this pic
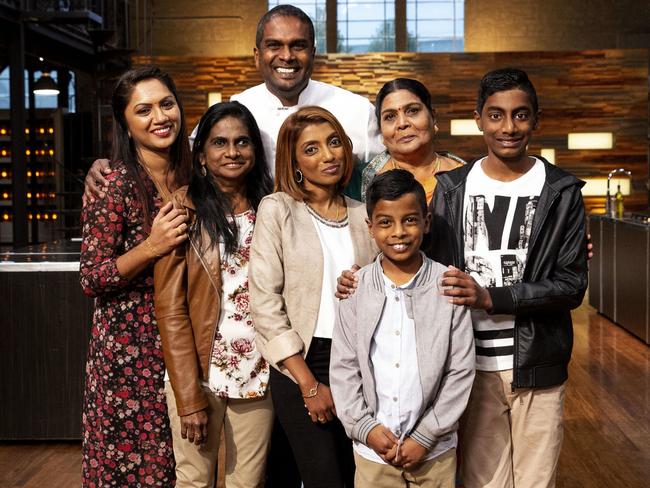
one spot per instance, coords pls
(126, 434)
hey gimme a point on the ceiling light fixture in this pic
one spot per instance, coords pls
(45, 85)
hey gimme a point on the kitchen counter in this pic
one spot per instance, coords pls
(619, 273)
(44, 331)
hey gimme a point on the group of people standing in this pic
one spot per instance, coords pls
(215, 267)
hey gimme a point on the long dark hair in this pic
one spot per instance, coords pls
(213, 206)
(124, 147)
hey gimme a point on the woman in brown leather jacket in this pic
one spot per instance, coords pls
(218, 378)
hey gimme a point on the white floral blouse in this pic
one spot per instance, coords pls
(237, 369)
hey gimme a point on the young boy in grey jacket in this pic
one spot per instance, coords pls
(402, 360)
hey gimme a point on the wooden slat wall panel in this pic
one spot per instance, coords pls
(585, 91)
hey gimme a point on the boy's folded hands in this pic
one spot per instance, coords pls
(383, 442)
(407, 454)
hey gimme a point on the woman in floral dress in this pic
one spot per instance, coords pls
(218, 378)
(126, 435)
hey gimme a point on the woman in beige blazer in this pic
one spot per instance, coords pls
(306, 234)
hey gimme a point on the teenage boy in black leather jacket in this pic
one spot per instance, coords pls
(514, 225)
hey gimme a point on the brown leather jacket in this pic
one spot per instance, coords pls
(187, 304)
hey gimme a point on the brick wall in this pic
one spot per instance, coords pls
(588, 91)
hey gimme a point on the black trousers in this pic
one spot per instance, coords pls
(281, 469)
(323, 452)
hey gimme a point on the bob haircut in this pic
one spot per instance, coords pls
(410, 85)
(285, 156)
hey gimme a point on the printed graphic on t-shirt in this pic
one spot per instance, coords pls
(487, 228)
(497, 224)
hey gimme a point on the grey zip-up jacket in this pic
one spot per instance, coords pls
(445, 350)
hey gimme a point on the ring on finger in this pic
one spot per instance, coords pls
(179, 231)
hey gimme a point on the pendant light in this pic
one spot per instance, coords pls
(45, 85)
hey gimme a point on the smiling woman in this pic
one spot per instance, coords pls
(217, 377)
(407, 122)
(307, 234)
(126, 436)
(152, 116)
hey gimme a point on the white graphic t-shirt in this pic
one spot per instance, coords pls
(497, 219)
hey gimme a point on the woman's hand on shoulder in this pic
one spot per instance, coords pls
(346, 284)
(194, 427)
(169, 229)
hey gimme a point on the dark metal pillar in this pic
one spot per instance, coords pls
(18, 158)
(32, 155)
(63, 81)
(401, 38)
(331, 28)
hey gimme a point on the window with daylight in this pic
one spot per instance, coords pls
(362, 26)
(435, 25)
(47, 101)
(316, 11)
(365, 26)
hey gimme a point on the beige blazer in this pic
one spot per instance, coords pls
(286, 273)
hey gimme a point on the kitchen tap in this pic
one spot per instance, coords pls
(609, 208)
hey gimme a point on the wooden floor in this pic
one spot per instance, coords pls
(607, 429)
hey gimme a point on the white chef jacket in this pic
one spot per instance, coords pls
(355, 113)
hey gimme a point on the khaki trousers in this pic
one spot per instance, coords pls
(510, 439)
(247, 431)
(436, 473)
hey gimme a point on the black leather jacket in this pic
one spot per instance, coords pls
(555, 276)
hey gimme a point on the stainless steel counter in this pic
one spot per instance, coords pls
(619, 281)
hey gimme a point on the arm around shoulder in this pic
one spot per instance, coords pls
(102, 230)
